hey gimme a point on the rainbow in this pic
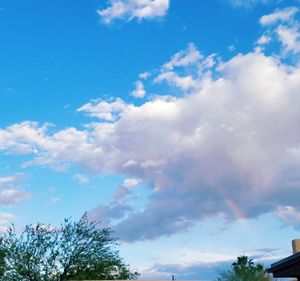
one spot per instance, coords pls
(240, 216)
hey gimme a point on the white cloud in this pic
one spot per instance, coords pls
(186, 57)
(248, 3)
(8, 179)
(231, 48)
(139, 91)
(131, 182)
(63, 146)
(263, 40)
(24, 137)
(10, 192)
(54, 200)
(118, 9)
(283, 28)
(145, 75)
(290, 38)
(82, 179)
(134, 9)
(182, 82)
(283, 15)
(108, 111)
(11, 196)
(177, 72)
(289, 215)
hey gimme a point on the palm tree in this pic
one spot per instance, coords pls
(244, 269)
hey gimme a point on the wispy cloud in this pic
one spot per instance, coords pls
(11, 196)
(189, 59)
(8, 179)
(131, 182)
(289, 215)
(133, 9)
(11, 192)
(283, 15)
(290, 38)
(53, 200)
(82, 179)
(248, 3)
(283, 27)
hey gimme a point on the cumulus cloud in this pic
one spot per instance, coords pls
(134, 9)
(21, 138)
(216, 143)
(230, 147)
(63, 146)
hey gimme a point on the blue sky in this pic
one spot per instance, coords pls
(174, 122)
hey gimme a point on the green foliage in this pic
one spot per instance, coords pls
(244, 269)
(75, 251)
(2, 263)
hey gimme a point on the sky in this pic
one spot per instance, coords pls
(175, 123)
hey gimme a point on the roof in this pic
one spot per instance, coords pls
(287, 267)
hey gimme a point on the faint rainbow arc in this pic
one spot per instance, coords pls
(239, 214)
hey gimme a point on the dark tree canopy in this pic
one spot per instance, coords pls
(74, 251)
(244, 269)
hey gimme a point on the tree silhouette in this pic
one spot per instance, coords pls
(74, 251)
